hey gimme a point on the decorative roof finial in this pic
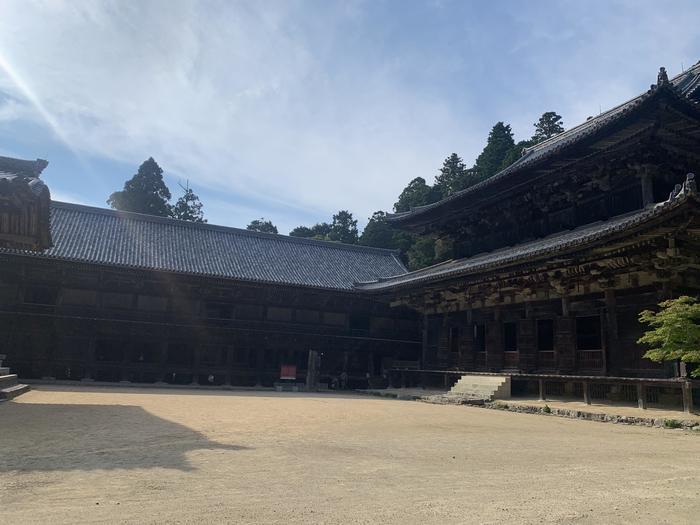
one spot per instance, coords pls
(690, 185)
(662, 77)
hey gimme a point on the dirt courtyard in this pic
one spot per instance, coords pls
(73, 455)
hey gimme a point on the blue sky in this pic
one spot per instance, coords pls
(292, 110)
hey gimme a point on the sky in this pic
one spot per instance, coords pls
(292, 110)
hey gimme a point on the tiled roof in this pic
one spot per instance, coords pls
(558, 244)
(108, 237)
(683, 85)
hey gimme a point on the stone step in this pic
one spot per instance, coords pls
(4, 371)
(13, 391)
(8, 380)
(481, 387)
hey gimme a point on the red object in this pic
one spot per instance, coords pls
(288, 372)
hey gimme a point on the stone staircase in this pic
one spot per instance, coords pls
(9, 387)
(481, 387)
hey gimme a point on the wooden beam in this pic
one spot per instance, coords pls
(641, 396)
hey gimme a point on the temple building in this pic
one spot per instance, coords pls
(555, 256)
(553, 259)
(129, 297)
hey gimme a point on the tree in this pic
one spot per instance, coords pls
(378, 232)
(145, 192)
(498, 145)
(550, 124)
(674, 333)
(188, 207)
(344, 228)
(417, 193)
(421, 253)
(453, 176)
(516, 152)
(262, 226)
(318, 231)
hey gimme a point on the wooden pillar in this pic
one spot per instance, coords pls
(687, 396)
(647, 188)
(565, 339)
(228, 364)
(196, 358)
(424, 353)
(642, 396)
(466, 345)
(444, 343)
(90, 361)
(494, 343)
(162, 361)
(259, 365)
(611, 348)
(586, 392)
(527, 341)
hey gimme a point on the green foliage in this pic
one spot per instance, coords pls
(261, 225)
(417, 193)
(344, 228)
(672, 423)
(188, 207)
(379, 233)
(421, 253)
(319, 231)
(674, 332)
(453, 177)
(145, 192)
(498, 146)
(547, 410)
(516, 152)
(550, 124)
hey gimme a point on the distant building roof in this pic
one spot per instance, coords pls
(557, 244)
(685, 85)
(107, 237)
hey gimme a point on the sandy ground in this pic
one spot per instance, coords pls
(158, 456)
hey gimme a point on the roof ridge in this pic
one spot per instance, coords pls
(225, 229)
(682, 193)
(593, 122)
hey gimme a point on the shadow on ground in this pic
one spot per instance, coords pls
(45, 437)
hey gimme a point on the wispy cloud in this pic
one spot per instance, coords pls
(315, 106)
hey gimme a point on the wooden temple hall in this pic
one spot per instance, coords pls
(552, 260)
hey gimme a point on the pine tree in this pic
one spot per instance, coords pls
(453, 176)
(498, 145)
(188, 207)
(145, 192)
(261, 225)
(550, 124)
(344, 228)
